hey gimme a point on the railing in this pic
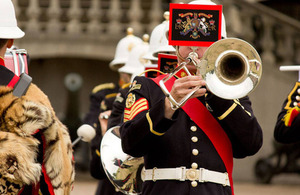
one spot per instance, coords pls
(92, 28)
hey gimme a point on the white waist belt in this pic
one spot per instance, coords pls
(182, 174)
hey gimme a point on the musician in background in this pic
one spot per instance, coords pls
(288, 120)
(140, 57)
(134, 66)
(98, 104)
(187, 150)
(158, 43)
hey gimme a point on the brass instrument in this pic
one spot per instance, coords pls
(231, 67)
(123, 170)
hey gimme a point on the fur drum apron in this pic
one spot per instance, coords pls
(35, 147)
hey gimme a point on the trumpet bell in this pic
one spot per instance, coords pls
(231, 67)
(123, 170)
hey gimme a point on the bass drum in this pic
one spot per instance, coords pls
(123, 170)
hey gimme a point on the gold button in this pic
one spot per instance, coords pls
(298, 98)
(195, 152)
(192, 174)
(295, 103)
(194, 139)
(95, 125)
(194, 128)
(194, 165)
(194, 183)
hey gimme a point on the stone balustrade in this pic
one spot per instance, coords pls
(92, 28)
(83, 28)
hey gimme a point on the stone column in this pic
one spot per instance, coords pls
(114, 14)
(54, 11)
(33, 13)
(94, 25)
(155, 14)
(74, 13)
(268, 56)
(135, 15)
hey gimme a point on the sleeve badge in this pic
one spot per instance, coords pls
(130, 100)
(134, 107)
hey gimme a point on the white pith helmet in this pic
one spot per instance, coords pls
(208, 2)
(157, 35)
(8, 22)
(164, 46)
(123, 49)
(136, 63)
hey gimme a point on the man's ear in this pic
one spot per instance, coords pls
(10, 43)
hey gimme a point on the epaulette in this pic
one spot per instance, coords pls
(292, 96)
(290, 115)
(134, 86)
(126, 85)
(103, 86)
(111, 95)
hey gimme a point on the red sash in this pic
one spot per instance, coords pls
(210, 126)
(14, 79)
(2, 61)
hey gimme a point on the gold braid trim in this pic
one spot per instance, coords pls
(111, 95)
(232, 107)
(97, 152)
(151, 126)
(225, 114)
(103, 86)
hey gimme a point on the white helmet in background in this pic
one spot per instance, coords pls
(208, 2)
(156, 37)
(136, 63)
(164, 46)
(123, 49)
(8, 22)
